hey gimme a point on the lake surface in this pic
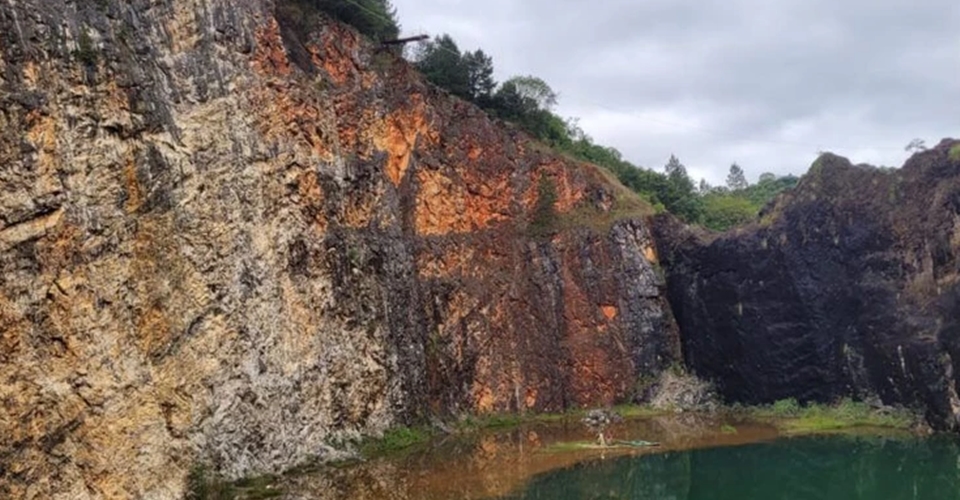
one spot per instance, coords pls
(700, 458)
(815, 468)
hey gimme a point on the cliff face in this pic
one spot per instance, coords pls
(221, 239)
(848, 286)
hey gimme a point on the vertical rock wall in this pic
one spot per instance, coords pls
(846, 287)
(223, 241)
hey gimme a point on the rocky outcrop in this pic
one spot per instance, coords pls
(226, 240)
(846, 287)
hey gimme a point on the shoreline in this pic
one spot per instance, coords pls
(485, 457)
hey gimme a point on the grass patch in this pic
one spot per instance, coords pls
(204, 484)
(638, 411)
(394, 440)
(728, 429)
(626, 205)
(792, 417)
(502, 421)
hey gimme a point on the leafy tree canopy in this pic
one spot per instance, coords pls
(736, 180)
(376, 19)
(528, 101)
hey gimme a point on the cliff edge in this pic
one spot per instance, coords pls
(847, 286)
(224, 241)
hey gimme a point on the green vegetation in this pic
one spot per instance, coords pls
(955, 152)
(728, 429)
(468, 75)
(86, 51)
(792, 417)
(202, 484)
(528, 101)
(394, 440)
(376, 19)
(544, 213)
(739, 202)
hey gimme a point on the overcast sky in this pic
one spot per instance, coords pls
(764, 83)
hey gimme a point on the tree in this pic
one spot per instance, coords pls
(679, 195)
(374, 18)
(674, 167)
(916, 146)
(534, 89)
(705, 187)
(441, 62)
(480, 80)
(736, 181)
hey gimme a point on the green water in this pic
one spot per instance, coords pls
(814, 468)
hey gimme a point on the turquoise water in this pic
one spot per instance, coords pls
(810, 468)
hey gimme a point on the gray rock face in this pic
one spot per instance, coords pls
(846, 287)
(208, 252)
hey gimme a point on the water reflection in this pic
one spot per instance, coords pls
(492, 464)
(814, 468)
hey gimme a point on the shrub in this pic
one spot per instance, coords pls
(786, 407)
(544, 213)
(955, 152)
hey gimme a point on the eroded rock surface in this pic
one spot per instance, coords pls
(846, 287)
(209, 251)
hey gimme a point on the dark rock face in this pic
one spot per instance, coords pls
(845, 287)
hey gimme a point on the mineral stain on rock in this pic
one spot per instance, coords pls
(221, 243)
(226, 240)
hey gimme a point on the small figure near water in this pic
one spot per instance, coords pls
(598, 420)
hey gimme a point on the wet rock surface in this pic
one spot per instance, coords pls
(845, 287)
(213, 250)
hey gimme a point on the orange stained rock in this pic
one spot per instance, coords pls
(596, 362)
(530, 399)
(311, 197)
(270, 57)
(609, 311)
(397, 134)
(484, 399)
(43, 132)
(650, 254)
(132, 186)
(334, 54)
(475, 152)
(444, 206)
(286, 114)
(569, 192)
(359, 211)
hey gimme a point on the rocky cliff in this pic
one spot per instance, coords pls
(224, 239)
(846, 287)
